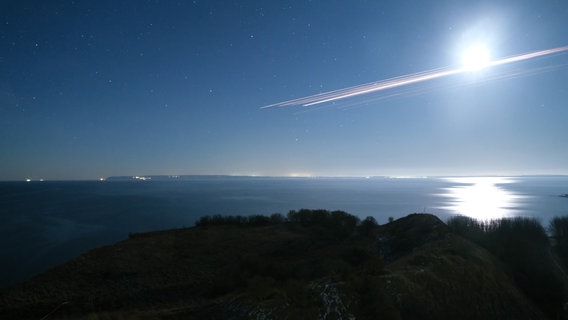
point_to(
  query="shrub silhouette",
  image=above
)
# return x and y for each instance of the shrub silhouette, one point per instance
(523, 245)
(219, 220)
(337, 247)
(332, 224)
(368, 226)
(469, 228)
(558, 229)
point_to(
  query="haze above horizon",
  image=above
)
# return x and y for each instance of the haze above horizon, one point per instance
(99, 89)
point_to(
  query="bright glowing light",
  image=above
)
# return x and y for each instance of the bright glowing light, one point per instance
(482, 197)
(408, 177)
(404, 81)
(300, 175)
(476, 57)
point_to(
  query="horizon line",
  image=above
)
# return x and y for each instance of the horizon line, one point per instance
(293, 176)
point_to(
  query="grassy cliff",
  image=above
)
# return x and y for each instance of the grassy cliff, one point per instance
(310, 264)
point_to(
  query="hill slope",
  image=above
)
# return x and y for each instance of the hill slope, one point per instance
(412, 268)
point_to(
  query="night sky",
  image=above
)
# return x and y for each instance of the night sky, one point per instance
(93, 89)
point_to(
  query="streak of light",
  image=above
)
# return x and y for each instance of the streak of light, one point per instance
(419, 91)
(403, 81)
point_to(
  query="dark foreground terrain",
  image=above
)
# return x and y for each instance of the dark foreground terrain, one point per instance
(308, 265)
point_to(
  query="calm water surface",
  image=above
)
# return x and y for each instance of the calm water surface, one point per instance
(47, 223)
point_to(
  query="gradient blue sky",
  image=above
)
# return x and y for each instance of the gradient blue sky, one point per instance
(93, 89)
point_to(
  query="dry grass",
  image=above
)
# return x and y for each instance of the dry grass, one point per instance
(411, 268)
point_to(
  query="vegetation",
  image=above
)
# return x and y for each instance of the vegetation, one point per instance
(522, 244)
(333, 224)
(304, 216)
(313, 264)
(252, 263)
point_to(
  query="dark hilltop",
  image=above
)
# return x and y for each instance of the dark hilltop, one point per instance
(311, 264)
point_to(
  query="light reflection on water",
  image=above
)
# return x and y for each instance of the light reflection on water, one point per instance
(482, 198)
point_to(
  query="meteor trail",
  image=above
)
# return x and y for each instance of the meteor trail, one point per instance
(402, 81)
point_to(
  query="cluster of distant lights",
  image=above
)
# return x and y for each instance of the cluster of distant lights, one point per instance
(103, 179)
(290, 175)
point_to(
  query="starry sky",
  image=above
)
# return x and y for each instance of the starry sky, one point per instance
(93, 89)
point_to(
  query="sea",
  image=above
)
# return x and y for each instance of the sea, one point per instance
(45, 223)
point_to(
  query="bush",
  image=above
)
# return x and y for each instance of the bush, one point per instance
(335, 224)
(368, 226)
(253, 220)
(468, 228)
(258, 220)
(523, 245)
(558, 229)
(277, 218)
